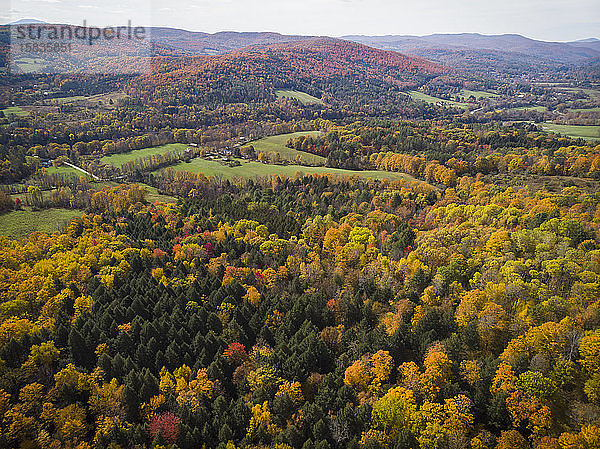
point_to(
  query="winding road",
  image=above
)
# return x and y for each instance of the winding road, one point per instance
(96, 178)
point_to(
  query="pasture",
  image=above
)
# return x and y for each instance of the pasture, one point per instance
(121, 158)
(420, 96)
(304, 98)
(594, 109)
(152, 195)
(28, 64)
(276, 144)
(67, 99)
(20, 223)
(66, 171)
(531, 108)
(14, 110)
(257, 169)
(585, 132)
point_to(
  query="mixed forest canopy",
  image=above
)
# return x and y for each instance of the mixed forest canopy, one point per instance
(415, 264)
(308, 312)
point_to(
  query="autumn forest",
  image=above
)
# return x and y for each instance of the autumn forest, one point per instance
(306, 243)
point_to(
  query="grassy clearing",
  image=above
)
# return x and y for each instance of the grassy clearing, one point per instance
(547, 83)
(304, 98)
(14, 110)
(257, 169)
(595, 109)
(477, 94)
(45, 195)
(568, 89)
(106, 100)
(589, 92)
(29, 64)
(103, 100)
(153, 195)
(429, 99)
(119, 159)
(21, 223)
(586, 132)
(107, 97)
(531, 108)
(66, 171)
(276, 144)
(68, 99)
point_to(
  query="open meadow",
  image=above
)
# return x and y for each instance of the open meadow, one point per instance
(20, 223)
(585, 132)
(258, 169)
(276, 144)
(121, 158)
(304, 98)
(66, 171)
(14, 110)
(429, 99)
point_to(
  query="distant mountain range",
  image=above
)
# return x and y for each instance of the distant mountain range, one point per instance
(497, 56)
(501, 52)
(500, 56)
(430, 47)
(194, 42)
(489, 55)
(435, 45)
(26, 22)
(589, 39)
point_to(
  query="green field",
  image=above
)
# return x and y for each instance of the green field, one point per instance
(14, 110)
(429, 99)
(477, 94)
(586, 132)
(154, 196)
(257, 169)
(45, 193)
(304, 98)
(119, 159)
(583, 131)
(68, 99)
(595, 109)
(21, 223)
(29, 64)
(66, 171)
(590, 92)
(276, 144)
(531, 108)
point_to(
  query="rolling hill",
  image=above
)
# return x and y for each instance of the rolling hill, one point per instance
(309, 59)
(341, 73)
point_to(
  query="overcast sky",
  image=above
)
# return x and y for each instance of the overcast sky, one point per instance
(553, 20)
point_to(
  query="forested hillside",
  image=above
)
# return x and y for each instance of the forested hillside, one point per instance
(309, 312)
